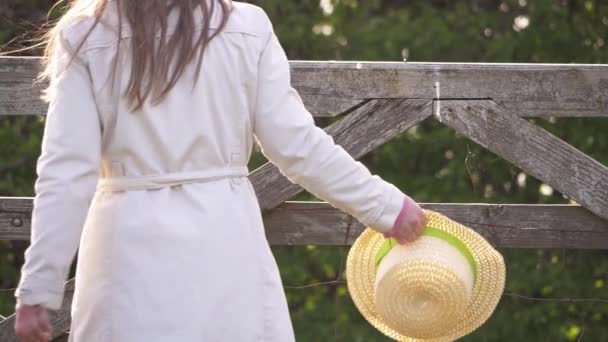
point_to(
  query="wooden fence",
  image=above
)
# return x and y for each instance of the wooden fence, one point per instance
(485, 102)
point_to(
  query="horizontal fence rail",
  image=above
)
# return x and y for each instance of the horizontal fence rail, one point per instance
(318, 223)
(331, 88)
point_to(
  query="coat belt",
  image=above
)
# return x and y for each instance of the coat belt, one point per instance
(131, 183)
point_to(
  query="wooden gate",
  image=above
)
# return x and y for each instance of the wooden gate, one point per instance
(485, 102)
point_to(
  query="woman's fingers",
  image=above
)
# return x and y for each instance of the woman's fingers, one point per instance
(32, 324)
(44, 328)
(34, 334)
(45, 323)
(413, 227)
(41, 336)
(30, 335)
(410, 223)
(44, 336)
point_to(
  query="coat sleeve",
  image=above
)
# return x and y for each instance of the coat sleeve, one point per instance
(308, 156)
(67, 171)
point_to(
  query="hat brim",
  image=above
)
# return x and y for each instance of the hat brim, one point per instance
(487, 290)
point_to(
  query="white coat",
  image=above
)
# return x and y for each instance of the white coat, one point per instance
(170, 236)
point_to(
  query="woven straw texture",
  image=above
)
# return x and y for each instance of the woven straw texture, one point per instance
(424, 276)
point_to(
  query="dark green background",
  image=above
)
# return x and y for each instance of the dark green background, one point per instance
(429, 162)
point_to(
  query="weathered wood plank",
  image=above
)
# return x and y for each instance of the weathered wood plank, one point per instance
(321, 106)
(317, 223)
(368, 127)
(533, 149)
(511, 226)
(19, 94)
(15, 218)
(530, 89)
(60, 319)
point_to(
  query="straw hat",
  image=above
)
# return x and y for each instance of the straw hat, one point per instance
(440, 287)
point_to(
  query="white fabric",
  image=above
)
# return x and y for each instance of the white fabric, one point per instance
(172, 244)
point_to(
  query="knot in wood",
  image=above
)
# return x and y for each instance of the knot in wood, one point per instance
(17, 222)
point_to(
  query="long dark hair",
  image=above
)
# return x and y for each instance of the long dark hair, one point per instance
(158, 58)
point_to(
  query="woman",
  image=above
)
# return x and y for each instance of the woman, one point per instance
(153, 110)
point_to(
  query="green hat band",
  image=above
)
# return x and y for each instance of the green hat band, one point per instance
(389, 243)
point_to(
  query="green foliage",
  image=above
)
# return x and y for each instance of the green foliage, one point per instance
(429, 162)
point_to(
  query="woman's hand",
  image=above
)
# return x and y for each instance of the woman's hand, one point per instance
(409, 224)
(32, 323)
